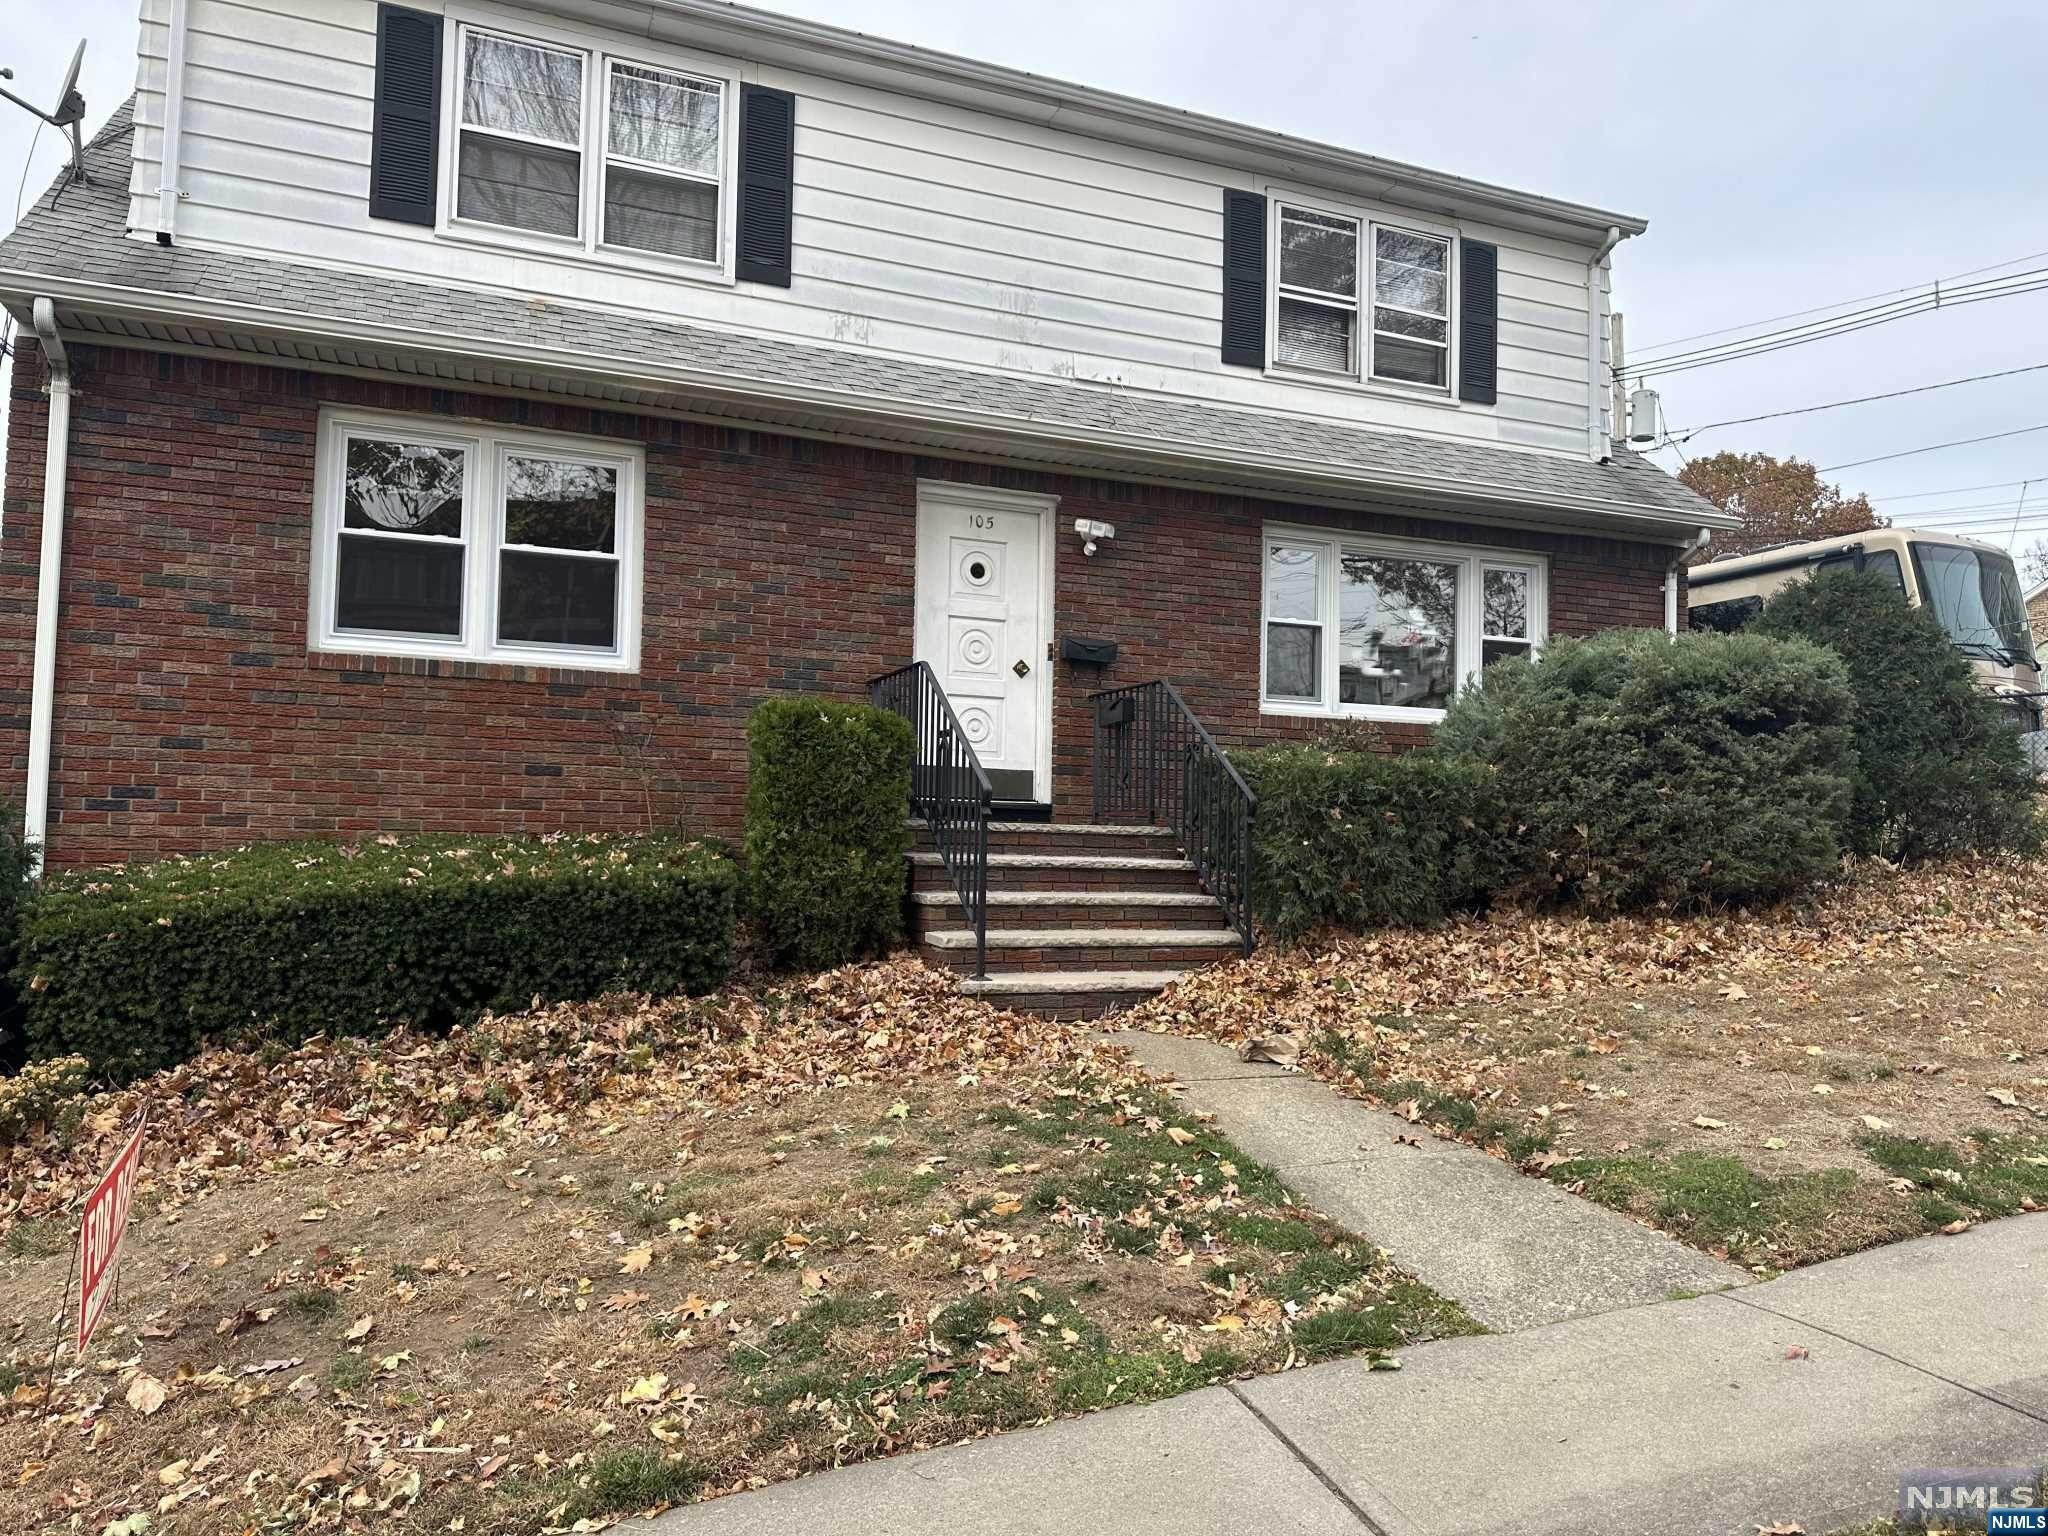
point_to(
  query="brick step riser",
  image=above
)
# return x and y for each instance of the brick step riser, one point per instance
(1151, 845)
(933, 877)
(1139, 957)
(1134, 914)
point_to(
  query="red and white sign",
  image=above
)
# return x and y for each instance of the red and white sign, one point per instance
(105, 1225)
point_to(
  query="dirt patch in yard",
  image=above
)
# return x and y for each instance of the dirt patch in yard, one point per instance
(682, 1250)
(1776, 1088)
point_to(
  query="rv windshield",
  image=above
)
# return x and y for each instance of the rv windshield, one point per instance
(1976, 595)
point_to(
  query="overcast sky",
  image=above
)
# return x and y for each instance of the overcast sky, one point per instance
(1786, 155)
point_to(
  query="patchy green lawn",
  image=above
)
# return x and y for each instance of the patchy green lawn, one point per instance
(1774, 1088)
(563, 1268)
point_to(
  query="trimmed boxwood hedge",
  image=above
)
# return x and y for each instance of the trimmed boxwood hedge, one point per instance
(17, 864)
(1364, 841)
(828, 794)
(132, 967)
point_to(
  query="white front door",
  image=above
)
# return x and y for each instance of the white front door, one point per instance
(983, 601)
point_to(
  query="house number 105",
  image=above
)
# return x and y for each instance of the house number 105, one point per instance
(982, 520)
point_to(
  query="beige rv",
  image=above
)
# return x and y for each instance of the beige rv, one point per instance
(1972, 589)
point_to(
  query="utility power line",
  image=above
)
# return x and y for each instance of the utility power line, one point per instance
(1955, 490)
(2031, 281)
(1690, 433)
(1907, 453)
(1821, 309)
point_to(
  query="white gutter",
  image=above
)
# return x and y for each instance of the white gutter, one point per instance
(1596, 436)
(171, 165)
(629, 372)
(49, 581)
(1674, 571)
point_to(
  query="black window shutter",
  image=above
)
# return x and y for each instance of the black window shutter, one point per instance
(405, 132)
(1244, 279)
(767, 170)
(1478, 321)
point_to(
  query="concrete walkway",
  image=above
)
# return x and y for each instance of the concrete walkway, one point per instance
(1516, 1252)
(1681, 1418)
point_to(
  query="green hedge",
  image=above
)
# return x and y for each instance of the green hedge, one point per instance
(17, 864)
(828, 791)
(1644, 770)
(1939, 770)
(132, 967)
(1363, 841)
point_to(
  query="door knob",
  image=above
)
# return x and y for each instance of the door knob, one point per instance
(1022, 668)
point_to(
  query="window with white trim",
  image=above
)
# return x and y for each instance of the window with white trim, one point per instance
(1389, 628)
(486, 544)
(1391, 325)
(589, 150)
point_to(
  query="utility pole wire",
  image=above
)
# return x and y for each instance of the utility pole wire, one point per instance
(1821, 309)
(1843, 325)
(1689, 433)
(1907, 453)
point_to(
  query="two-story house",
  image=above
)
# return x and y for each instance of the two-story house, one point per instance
(458, 415)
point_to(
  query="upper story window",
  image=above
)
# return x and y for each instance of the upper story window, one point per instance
(1362, 300)
(482, 544)
(521, 162)
(1389, 629)
(573, 148)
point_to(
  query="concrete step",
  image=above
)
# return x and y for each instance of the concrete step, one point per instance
(1058, 871)
(1080, 949)
(1070, 994)
(1067, 909)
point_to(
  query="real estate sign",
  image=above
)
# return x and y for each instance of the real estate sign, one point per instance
(105, 1225)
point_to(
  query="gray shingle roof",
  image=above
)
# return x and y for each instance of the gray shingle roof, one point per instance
(78, 234)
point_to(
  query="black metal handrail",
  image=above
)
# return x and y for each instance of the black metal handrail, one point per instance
(949, 788)
(1156, 763)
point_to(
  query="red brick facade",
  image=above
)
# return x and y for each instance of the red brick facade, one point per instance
(190, 715)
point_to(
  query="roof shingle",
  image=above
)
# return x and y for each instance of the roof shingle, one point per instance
(78, 233)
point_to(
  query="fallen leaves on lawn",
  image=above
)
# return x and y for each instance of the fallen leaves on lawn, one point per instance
(1339, 982)
(331, 1103)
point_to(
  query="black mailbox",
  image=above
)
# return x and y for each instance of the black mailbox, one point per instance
(1087, 653)
(1113, 711)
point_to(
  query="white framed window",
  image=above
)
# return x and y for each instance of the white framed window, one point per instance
(663, 161)
(519, 138)
(622, 158)
(1388, 629)
(1357, 299)
(475, 543)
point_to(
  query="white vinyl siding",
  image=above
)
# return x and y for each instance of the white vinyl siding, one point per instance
(1388, 629)
(923, 229)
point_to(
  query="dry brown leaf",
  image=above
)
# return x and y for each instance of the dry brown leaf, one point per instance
(146, 1394)
(635, 1260)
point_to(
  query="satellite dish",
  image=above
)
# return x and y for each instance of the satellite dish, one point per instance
(70, 105)
(70, 110)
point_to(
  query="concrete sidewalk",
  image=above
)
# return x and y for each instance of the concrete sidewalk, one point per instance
(1515, 1252)
(1681, 1418)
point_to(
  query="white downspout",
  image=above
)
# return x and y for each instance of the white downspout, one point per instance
(170, 163)
(1674, 571)
(42, 708)
(1596, 446)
